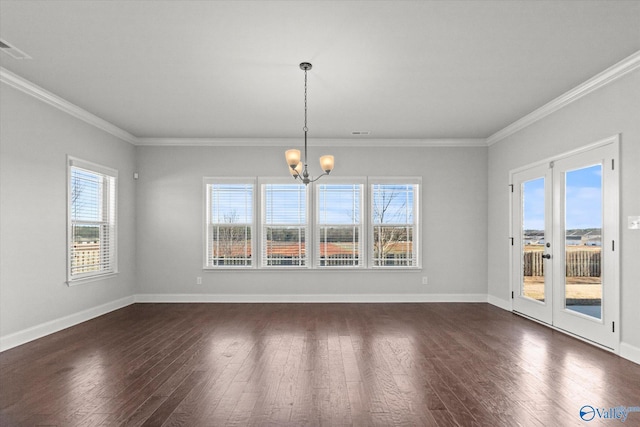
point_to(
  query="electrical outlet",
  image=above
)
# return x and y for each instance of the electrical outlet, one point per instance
(425, 280)
(634, 223)
(198, 280)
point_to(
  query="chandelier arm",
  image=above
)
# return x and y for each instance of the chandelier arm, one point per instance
(319, 176)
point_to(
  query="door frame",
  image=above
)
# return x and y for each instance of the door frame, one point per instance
(614, 258)
(542, 311)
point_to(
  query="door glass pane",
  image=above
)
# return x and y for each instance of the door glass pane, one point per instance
(533, 241)
(583, 241)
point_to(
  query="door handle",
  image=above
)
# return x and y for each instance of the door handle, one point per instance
(546, 256)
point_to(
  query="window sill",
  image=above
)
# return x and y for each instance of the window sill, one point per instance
(83, 280)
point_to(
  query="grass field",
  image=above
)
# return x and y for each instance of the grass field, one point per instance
(578, 288)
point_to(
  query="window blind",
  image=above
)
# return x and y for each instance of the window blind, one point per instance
(284, 225)
(339, 225)
(230, 208)
(92, 221)
(394, 225)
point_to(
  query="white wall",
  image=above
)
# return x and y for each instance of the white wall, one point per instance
(170, 206)
(35, 140)
(610, 110)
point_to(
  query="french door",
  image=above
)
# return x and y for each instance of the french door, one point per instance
(565, 235)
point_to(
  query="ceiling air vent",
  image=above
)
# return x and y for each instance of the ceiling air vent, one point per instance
(12, 51)
(360, 132)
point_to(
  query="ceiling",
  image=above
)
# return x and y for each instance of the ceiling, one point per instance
(399, 69)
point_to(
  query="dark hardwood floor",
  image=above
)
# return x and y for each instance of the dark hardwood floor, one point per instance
(311, 364)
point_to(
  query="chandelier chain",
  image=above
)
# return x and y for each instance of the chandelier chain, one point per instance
(305, 128)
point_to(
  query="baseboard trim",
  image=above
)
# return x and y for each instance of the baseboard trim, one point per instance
(308, 298)
(499, 302)
(630, 352)
(627, 351)
(22, 337)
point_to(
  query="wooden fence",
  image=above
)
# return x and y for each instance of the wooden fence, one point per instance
(578, 263)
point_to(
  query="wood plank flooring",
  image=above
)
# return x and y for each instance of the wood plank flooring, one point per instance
(311, 364)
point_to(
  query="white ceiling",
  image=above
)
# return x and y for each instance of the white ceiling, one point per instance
(400, 69)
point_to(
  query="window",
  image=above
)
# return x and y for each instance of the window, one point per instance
(92, 220)
(338, 225)
(394, 223)
(284, 224)
(229, 223)
(345, 223)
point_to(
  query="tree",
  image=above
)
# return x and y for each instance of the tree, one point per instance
(231, 238)
(389, 208)
(79, 206)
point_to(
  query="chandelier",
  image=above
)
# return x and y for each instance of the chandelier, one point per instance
(298, 169)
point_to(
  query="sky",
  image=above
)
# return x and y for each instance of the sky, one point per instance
(583, 200)
(338, 204)
(86, 194)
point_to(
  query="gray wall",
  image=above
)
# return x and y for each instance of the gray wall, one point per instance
(610, 110)
(465, 205)
(170, 208)
(160, 218)
(35, 140)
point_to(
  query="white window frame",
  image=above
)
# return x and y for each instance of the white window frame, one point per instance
(417, 220)
(262, 183)
(362, 232)
(312, 226)
(109, 208)
(207, 181)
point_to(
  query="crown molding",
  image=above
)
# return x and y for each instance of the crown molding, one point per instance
(316, 142)
(44, 95)
(62, 104)
(609, 75)
(23, 85)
